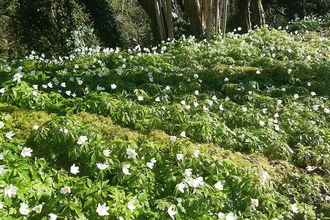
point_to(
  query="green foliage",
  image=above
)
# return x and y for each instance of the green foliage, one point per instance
(184, 130)
(103, 22)
(133, 22)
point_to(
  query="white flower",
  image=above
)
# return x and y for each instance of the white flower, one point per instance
(157, 99)
(264, 177)
(34, 93)
(74, 169)
(167, 88)
(68, 93)
(181, 187)
(221, 107)
(218, 185)
(37, 208)
(10, 190)
(309, 83)
(2, 169)
(153, 160)
(289, 71)
(196, 92)
(2, 124)
(150, 165)
(296, 96)
(173, 138)
(79, 82)
(126, 169)
(221, 216)
(171, 211)
(313, 94)
(226, 79)
(316, 107)
(196, 153)
(183, 134)
(131, 205)
(50, 85)
(52, 216)
(279, 102)
(82, 140)
(26, 152)
(24, 209)
(63, 84)
(106, 153)
(294, 208)
(209, 102)
(35, 127)
(195, 182)
(140, 98)
(188, 172)
(277, 127)
(131, 153)
(258, 72)
(65, 190)
(179, 156)
(101, 166)
(261, 123)
(102, 210)
(10, 135)
(326, 110)
(64, 130)
(244, 109)
(310, 168)
(2, 90)
(161, 205)
(100, 88)
(231, 216)
(255, 202)
(113, 86)
(17, 77)
(196, 76)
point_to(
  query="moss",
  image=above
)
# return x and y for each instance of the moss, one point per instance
(21, 121)
(325, 209)
(106, 127)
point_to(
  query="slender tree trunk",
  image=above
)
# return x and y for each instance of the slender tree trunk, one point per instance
(244, 10)
(208, 17)
(160, 20)
(192, 9)
(224, 18)
(217, 18)
(258, 13)
(168, 18)
(160, 13)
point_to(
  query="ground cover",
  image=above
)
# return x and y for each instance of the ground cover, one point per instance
(221, 129)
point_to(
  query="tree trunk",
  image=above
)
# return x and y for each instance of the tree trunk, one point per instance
(243, 8)
(224, 18)
(192, 9)
(168, 18)
(217, 18)
(160, 13)
(258, 13)
(208, 17)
